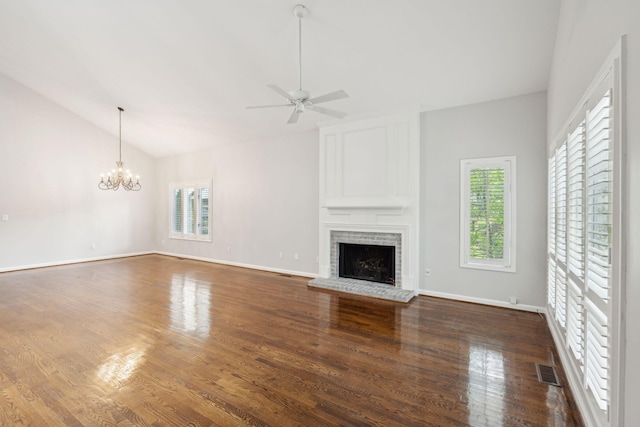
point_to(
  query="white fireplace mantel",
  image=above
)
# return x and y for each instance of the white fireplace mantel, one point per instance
(382, 206)
(370, 182)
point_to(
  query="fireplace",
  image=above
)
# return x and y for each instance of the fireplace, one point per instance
(380, 245)
(366, 260)
(374, 263)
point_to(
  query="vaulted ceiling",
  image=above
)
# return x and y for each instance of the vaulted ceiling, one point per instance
(184, 71)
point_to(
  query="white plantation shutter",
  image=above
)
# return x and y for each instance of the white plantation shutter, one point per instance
(561, 204)
(487, 214)
(561, 233)
(487, 203)
(576, 196)
(176, 210)
(575, 321)
(190, 211)
(597, 355)
(551, 233)
(561, 296)
(599, 232)
(599, 197)
(551, 285)
(552, 206)
(584, 249)
(203, 211)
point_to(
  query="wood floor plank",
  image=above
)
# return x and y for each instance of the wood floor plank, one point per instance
(156, 340)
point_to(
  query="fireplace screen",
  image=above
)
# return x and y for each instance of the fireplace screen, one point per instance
(367, 262)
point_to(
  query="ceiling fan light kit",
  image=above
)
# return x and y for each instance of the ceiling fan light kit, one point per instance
(301, 99)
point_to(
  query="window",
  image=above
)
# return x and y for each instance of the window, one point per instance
(487, 214)
(581, 233)
(190, 211)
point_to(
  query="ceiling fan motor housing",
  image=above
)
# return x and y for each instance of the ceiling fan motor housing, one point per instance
(300, 94)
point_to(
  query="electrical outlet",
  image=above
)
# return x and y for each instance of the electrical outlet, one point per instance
(228, 249)
(513, 300)
(93, 246)
(281, 255)
(5, 217)
(296, 257)
(427, 272)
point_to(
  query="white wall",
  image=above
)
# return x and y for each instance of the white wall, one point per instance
(587, 32)
(509, 127)
(264, 201)
(50, 161)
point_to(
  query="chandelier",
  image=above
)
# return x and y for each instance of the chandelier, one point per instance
(119, 177)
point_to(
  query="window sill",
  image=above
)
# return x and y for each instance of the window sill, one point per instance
(192, 239)
(490, 267)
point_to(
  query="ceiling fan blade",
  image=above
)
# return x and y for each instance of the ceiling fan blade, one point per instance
(282, 92)
(328, 112)
(267, 106)
(294, 116)
(339, 94)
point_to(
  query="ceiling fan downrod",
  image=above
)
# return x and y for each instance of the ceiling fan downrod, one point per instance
(299, 11)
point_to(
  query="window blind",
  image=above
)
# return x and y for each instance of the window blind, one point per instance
(176, 210)
(551, 232)
(583, 217)
(561, 296)
(599, 197)
(487, 214)
(561, 203)
(575, 321)
(552, 205)
(551, 285)
(486, 199)
(597, 355)
(203, 211)
(576, 167)
(190, 210)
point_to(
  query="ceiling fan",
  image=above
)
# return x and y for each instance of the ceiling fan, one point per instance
(301, 99)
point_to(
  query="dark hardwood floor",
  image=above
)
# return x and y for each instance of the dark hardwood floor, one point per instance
(156, 340)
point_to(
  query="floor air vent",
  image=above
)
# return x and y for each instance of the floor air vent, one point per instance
(547, 374)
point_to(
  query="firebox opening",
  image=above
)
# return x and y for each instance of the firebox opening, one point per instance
(367, 262)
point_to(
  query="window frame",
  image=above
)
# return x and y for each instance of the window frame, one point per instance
(508, 261)
(196, 187)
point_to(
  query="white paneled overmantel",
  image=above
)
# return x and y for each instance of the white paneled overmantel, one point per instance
(369, 183)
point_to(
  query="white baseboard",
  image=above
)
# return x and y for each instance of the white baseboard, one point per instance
(239, 264)
(72, 261)
(484, 301)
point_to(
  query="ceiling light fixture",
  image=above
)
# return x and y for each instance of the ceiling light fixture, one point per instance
(300, 99)
(118, 177)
